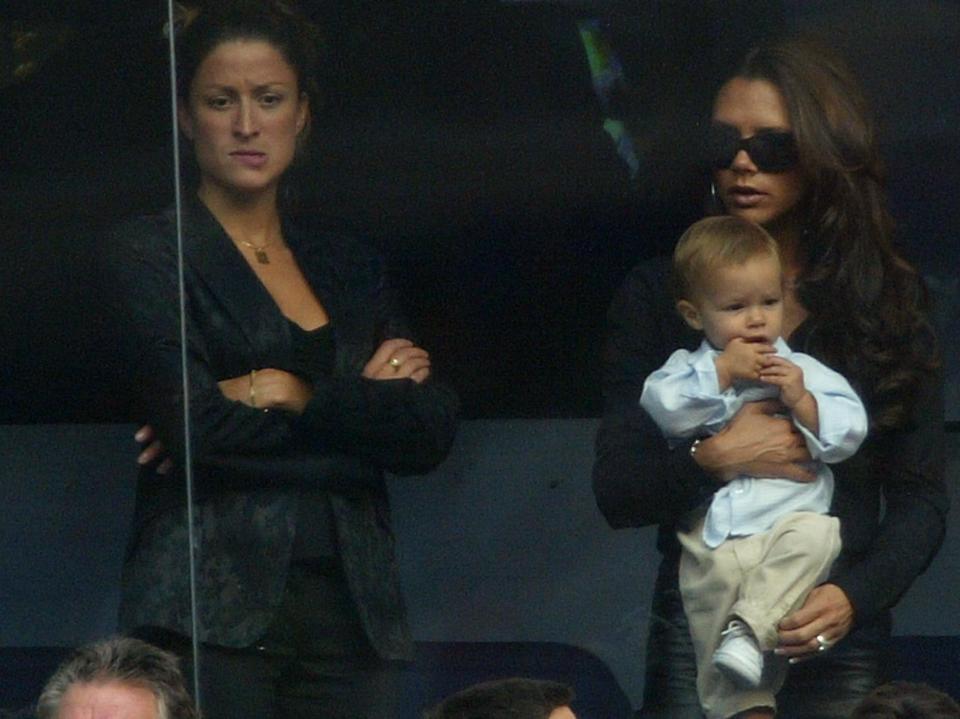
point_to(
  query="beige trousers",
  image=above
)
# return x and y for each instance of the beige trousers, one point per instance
(758, 579)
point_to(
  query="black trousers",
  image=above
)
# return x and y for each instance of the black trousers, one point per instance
(315, 660)
(827, 686)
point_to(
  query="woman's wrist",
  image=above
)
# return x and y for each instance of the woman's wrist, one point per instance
(693, 449)
(704, 452)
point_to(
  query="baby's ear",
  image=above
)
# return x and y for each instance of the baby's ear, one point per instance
(690, 314)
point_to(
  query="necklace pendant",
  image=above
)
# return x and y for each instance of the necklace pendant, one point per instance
(261, 255)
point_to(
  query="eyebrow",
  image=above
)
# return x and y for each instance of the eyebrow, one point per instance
(276, 84)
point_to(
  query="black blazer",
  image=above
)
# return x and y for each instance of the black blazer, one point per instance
(250, 464)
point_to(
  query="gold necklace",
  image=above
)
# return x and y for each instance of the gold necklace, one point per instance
(259, 251)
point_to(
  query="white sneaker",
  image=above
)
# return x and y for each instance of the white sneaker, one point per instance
(739, 656)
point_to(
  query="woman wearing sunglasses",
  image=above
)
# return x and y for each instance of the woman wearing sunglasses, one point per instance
(792, 149)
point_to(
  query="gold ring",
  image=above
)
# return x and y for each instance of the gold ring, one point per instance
(822, 643)
(394, 362)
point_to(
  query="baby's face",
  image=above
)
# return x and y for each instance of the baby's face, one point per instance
(743, 301)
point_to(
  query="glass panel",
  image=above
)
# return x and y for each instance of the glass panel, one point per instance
(511, 171)
(85, 118)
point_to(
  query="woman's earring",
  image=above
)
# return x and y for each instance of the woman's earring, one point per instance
(714, 205)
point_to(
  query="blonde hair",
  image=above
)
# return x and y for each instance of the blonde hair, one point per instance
(713, 243)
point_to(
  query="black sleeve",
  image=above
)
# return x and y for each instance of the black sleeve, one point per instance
(909, 466)
(399, 426)
(141, 264)
(402, 426)
(637, 480)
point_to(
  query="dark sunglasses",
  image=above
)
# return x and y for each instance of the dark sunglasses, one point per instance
(769, 151)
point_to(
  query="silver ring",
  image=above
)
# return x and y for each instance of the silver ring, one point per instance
(394, 362)
(823, 644)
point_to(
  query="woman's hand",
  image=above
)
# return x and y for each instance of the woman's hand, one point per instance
(269, 389)
(152, 450)
(755, 443)
(398, 359)
(823, 620)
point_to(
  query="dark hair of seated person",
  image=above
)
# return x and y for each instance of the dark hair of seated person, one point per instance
(906, 700)
(515, 698)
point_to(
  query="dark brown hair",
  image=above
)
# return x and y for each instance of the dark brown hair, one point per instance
(882, 339)
(906, 700)
(515, 698)
(202, 26)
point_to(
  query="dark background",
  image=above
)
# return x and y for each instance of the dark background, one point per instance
(465, 141)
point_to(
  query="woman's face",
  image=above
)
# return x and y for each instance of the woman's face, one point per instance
(753, 107)
(243, 115)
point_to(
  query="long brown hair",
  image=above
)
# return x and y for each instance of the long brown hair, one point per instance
(868, 305)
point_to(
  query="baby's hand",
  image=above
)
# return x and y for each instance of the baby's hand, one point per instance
(787, 376)
(742, 359)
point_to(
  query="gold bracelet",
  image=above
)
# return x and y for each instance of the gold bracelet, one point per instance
(253, 392)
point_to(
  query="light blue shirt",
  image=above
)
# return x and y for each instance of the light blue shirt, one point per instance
(683, 397)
